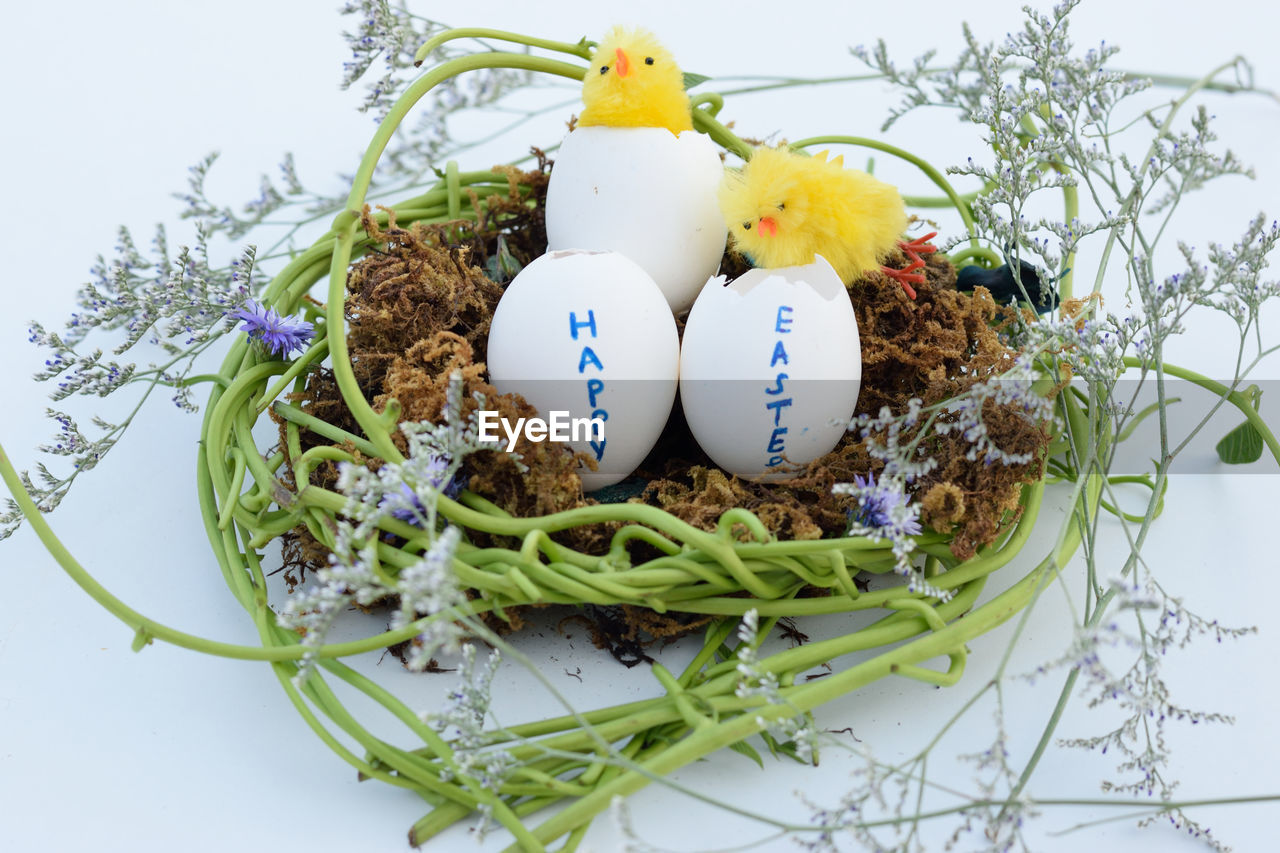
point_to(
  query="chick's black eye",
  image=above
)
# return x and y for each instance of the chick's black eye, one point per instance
(604, 69)
(782, 205)
(648, 60)
(746, 226)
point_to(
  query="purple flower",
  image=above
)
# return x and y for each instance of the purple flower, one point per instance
(279, 335)
(404, 503)
(882, 508)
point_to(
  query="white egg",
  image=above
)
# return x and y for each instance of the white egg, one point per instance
(589, 336)
(770, 368)
(645, 193)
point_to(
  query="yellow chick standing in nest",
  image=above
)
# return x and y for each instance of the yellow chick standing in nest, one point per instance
(784, 208)
(633, 176)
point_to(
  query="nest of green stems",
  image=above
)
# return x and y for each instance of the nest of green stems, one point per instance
(418, 307)
(410, 290)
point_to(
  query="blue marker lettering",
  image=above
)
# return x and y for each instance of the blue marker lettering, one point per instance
(774, 462)
(783, 321)
(594, 387)
(778, 406)
(575, 324)
(589, 357)
(598, 447)
(775, 440)
(778, 388)
(601, 414)
(779, 354)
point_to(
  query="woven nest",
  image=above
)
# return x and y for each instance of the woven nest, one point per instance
(418, 307)
(411, 290)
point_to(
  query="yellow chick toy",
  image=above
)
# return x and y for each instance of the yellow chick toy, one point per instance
(783, 208)
(635, 82)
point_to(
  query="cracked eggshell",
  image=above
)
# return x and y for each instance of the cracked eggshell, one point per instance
(589, 334)
(770, 368)
(645, 193)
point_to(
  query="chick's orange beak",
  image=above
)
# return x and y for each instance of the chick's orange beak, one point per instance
(623, 66)
(768, 227)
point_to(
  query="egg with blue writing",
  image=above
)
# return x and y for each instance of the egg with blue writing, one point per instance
(646, 193)
(588, 340)
(770, 368)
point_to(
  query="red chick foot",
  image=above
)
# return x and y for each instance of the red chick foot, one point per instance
(908, 276)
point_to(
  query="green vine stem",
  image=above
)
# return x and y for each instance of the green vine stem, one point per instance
(581, 48)
(143, 626)
(1233, 396)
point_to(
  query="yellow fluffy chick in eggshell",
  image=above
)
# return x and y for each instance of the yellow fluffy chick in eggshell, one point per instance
(634, 82)
(633, 176)
(770, 363)
(784, 207)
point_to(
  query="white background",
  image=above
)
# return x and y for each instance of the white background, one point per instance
(107, 104)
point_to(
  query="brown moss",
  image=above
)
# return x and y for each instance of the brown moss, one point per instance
(429, 278)
(942, 506)
(932, 347)
(702, 494)
(407, 292)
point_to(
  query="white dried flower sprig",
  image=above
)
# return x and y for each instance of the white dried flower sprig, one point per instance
(1042, 104)
(406, 491)
(883, 437)
(462, 720)
(1158, 623)
(753, 680)
(896, 439)
(427, 587)
(355, 575)
(391, 33)
(885, 510)
(180, 304)
(215, 218)
(1013, 391)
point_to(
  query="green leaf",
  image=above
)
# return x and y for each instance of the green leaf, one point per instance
(502, 266)
(744, 748)
(691, 79)
(771, 742)
(1240, 446)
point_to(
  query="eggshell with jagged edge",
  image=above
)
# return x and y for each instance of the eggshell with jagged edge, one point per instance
(589, 335)
(643, 192)
(770, 369)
